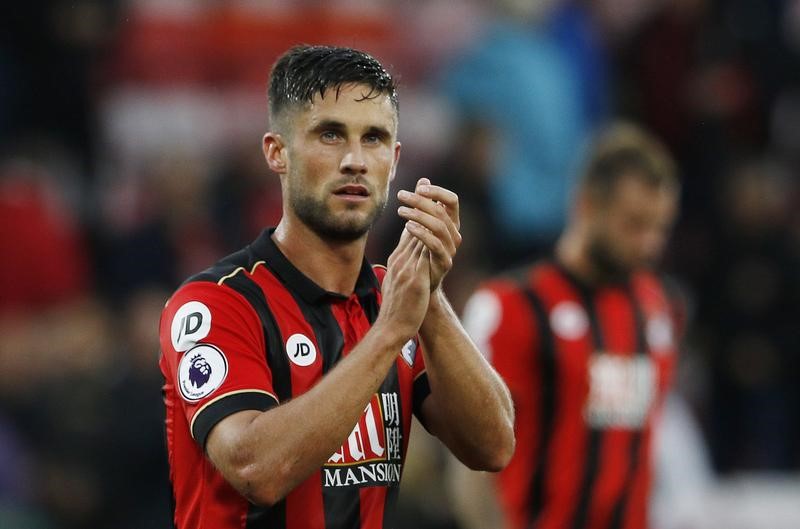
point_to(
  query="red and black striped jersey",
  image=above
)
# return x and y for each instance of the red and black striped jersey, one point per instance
(251, 333)
(587, 368)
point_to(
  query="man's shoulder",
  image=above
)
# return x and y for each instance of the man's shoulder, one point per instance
(225, 267)
(213, 282)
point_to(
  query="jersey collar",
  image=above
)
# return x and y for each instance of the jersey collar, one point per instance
(295, 280)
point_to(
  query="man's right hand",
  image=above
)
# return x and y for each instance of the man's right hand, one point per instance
(406, 288)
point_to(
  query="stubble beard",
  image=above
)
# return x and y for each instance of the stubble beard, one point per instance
(607, 267)
(317, 215)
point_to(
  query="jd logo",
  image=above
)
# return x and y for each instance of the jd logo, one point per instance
(300, 350)
(191, 323)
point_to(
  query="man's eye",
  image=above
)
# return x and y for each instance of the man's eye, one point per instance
(372, 138)
(329, 135)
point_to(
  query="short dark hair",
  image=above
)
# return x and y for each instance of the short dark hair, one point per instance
(626, 150)
(304, 71)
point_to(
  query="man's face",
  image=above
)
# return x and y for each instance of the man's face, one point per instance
(341, 156)
(630, 229)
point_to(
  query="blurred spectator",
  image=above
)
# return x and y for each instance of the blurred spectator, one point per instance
(245, 197)
(48, 51)
(747, 319)
(135, 476)
(172, 232)
(713, 79)
(517, 81)
(467, 167)
(53, 367)
(45, 262)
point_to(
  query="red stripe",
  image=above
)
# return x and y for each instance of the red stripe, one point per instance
(304, 509)
(372, 505)
(618, 324)
(571, 434)
(291, 321)
(304, 505)
(610, 482)
(515, 362)
(617, 321)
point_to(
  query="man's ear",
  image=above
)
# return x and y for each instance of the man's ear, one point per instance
(275, 152)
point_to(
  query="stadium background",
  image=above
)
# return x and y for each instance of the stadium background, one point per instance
(129, 158)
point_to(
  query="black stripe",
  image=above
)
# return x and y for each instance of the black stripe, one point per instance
(327, 332)
(546, 356)
(341, 505)
(277, 359)
(639, 320)
(634, 456)
(421, 390)
(218, 410)
(621, 507)
(589, 477)
(370, 305)
(595, 442)
(267, 517)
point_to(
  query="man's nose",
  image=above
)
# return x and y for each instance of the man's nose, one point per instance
(353, 162)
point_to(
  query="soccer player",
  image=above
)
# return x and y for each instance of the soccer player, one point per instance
(292, 367)
(584, 341)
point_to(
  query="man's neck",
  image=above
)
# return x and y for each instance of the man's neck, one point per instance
(572, 252)
(333, 265)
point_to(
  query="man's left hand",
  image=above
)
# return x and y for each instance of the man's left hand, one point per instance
(433, 218)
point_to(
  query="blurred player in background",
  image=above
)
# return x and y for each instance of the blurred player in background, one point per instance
(585, 343)
(292, 367)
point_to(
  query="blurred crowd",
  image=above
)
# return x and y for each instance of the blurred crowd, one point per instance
(130, 159)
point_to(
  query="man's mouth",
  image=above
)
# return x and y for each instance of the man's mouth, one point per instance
(351, 190)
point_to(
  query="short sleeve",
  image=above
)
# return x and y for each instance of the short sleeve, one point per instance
(213, 356)
(500, 321)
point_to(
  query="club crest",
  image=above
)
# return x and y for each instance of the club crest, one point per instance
(409, 352)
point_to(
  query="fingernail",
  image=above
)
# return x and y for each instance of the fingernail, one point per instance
(424, 188)
(403, 193)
